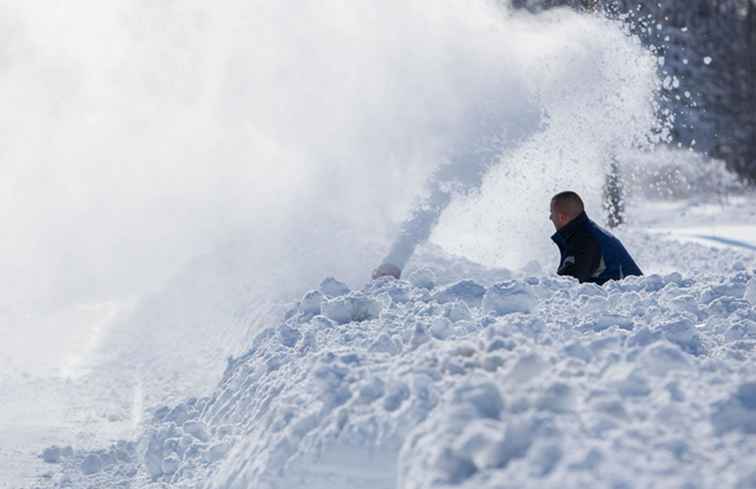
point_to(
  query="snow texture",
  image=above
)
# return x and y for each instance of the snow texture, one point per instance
(531, 381)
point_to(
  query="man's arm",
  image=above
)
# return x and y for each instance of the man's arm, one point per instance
(584, 261)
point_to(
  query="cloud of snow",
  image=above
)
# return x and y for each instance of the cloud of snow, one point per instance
(139, 135)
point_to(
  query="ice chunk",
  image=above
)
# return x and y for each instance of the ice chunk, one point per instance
(508, 297)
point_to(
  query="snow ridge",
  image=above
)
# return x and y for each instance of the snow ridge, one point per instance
(648, 382)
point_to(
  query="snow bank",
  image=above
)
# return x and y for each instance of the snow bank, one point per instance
(526, 382)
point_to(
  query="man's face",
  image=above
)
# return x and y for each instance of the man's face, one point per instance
(557, 218)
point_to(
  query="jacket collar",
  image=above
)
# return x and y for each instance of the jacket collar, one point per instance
(569, 229)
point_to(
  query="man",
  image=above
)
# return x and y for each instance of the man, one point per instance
(588, 252)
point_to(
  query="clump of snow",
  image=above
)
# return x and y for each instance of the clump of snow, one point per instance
(738, 411)
(468, 291)
(55, 454)
(423, 278)
(525, 382)
(311, 302)
(91, 464)
(330, 287)
(508, 297)
(353, 307)
(750, 292)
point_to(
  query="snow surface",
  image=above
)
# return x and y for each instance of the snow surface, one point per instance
(156, 225)
(476, 378)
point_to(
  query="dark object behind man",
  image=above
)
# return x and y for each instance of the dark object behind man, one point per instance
(588, 252)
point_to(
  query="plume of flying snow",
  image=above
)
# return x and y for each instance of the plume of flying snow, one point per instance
(288, 140)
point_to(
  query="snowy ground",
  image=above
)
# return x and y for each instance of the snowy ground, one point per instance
(458, 376)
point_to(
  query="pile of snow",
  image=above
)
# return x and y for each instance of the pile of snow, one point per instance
(526, 382)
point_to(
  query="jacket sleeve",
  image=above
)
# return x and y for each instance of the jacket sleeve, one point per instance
(583, 261)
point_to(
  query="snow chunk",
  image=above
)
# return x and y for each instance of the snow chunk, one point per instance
(738, 412)
(330, 287)
(606, 321)
(484, 398)
(663, 357)
(508, 297)
(741, 330)
(578, 350)
(750, 292)
(441, 328)
(557, 398)
(170, 464)
(466, 290)
(310, 304)
(458, 311)
(528, 367)
(197, 429)
(423, 278)
(746, 395)
(54, 454)
(354, 307)
(91, 464)
(683, 333)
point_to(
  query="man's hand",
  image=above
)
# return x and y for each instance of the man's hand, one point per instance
(387, 269)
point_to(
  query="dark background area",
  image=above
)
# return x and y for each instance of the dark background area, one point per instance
(708, 49)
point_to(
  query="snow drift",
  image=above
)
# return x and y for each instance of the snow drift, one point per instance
(420, 384)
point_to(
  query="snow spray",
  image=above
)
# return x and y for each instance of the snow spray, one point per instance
(199, 161)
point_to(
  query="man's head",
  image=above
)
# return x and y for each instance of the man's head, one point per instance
(565, 206)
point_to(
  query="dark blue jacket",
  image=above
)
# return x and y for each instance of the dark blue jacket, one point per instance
(591, 253)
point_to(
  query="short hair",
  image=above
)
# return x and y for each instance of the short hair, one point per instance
(568, 202)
